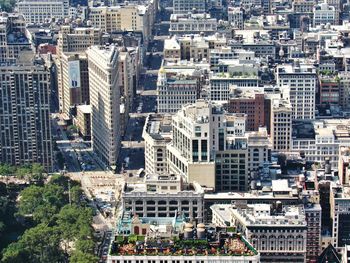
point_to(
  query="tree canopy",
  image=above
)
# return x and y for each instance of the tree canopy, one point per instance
(61, 230)
(32, 172)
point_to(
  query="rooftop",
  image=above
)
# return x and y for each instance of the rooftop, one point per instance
(296, 68)
(86, 109)
(171, 43)
(303, 129)
(280, 186)
(185, 241)
(267, 215)
(190, 16)
(158, 126)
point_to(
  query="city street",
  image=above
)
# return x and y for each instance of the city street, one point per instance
(102, 187)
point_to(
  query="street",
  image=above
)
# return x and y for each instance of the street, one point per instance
(102, 187)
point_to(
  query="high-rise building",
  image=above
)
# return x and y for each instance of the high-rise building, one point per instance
(302, 6)
(343, 166)
(329, 90)
(337, 4)
(181, 24)
(25, 129)
(105, 102)
(344, 89)
(39, 11)
(320, 140)
(211, 147)
(127, 78)
(83, 121)
(195, 138)
(302, 80)
(259, 149)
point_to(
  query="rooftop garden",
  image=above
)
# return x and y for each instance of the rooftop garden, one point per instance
(133, 245)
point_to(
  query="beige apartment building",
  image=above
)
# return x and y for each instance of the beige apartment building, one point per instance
(105, 102)
(127, 17)
(77, 39)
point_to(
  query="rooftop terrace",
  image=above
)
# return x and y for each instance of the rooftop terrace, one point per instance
(220, 244)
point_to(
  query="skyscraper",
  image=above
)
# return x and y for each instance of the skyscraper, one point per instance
(105, 102)
(25, 130)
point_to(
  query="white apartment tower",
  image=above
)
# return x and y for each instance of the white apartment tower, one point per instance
(211, 147)
(302, 80)
(195, 137)
(105, 102)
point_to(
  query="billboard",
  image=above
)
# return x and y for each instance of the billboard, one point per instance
(74, 74)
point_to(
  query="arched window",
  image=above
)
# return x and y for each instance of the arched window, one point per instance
(136, 230)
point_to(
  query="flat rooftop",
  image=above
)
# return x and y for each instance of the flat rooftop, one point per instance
(158, 126)
(303, 129)
(257, 215)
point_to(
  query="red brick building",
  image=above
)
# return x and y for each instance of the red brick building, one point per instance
(252, 104)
